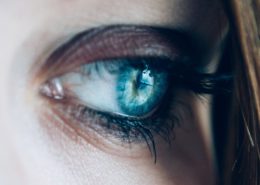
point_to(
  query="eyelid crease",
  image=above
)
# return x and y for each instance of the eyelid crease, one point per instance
(112, 42)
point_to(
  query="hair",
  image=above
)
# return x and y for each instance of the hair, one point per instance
(240, 161)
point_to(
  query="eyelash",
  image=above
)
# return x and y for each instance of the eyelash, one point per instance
(129, 129)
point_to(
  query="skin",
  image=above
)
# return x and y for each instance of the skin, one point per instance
(39, 151)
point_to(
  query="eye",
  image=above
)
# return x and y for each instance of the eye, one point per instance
(122, 82)
(126, 87)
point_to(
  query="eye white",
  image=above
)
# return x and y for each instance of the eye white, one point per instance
(95, 89)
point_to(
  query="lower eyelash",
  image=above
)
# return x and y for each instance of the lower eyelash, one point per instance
(128, 130)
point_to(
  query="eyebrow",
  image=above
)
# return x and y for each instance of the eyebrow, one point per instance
(123, 41)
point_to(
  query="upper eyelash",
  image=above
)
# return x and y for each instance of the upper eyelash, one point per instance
(203, 83)
(187, 76)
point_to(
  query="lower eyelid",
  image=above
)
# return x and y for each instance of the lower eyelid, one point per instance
(108, 140)
(81, 133)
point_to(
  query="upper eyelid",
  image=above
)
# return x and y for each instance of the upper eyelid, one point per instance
(176, 44)
(170, 41)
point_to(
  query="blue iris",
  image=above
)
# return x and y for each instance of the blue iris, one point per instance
(140, 89)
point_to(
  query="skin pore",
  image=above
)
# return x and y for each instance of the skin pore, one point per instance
(40, 150)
